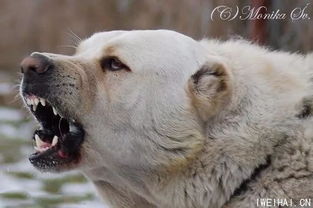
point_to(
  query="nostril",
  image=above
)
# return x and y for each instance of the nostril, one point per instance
(33, 68)
(36, 63)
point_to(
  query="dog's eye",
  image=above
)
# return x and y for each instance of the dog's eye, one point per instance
(112, 64)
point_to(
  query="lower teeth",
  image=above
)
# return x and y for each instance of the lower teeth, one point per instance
(42, 146)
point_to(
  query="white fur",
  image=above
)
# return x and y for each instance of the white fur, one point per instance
(148, 145)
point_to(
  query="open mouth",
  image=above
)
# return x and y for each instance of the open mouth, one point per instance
(58, 140)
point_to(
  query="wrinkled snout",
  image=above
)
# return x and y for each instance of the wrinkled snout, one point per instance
(55, 78)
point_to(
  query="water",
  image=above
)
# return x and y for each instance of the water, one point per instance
(21, 185)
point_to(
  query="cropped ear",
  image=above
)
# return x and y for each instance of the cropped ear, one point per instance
(210, 89)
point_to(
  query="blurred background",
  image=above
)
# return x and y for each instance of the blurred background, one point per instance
(52, 26)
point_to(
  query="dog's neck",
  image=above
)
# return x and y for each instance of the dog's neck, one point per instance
(211, 179)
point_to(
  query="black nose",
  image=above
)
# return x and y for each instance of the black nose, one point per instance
(36, 63)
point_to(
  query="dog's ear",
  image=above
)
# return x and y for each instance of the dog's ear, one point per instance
(210, 89)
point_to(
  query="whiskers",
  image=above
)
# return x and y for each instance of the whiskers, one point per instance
(16, 91)
(75, 39)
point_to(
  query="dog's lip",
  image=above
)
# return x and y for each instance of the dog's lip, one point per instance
(39, 154)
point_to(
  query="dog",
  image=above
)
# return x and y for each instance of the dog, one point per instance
(156, 119)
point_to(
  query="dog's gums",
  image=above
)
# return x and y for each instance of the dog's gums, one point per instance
(57, 142)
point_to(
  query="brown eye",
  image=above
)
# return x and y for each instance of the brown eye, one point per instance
(112, 64)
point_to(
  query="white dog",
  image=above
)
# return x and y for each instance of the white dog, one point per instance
(157, 119)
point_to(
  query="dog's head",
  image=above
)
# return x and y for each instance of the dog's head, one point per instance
(125, 99)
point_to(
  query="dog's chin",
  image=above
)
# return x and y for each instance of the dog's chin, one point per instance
(59, 139)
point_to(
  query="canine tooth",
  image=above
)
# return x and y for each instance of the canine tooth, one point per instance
(42, 101)
(36, 101)
(39, 142)
(55, 140)
(31, 102)
(34, 107)
(54, 111)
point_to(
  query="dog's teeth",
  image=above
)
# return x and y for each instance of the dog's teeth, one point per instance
(39, 142)
(54, 111)
(34, 107)
(28, 101)
(36, 101)
(42, 101)
(31, 102)
(55, 140)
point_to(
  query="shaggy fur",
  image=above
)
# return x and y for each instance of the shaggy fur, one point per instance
(192, 124)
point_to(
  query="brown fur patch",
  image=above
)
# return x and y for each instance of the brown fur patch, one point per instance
(110, 50)
(209, 94)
